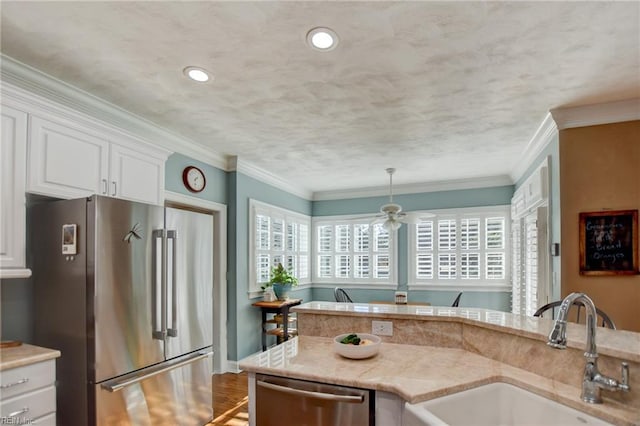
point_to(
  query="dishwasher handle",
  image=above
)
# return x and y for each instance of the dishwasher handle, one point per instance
(353, 399)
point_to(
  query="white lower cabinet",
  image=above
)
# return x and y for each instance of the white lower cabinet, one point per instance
(389, 409)
(28, 394)
(67, 160)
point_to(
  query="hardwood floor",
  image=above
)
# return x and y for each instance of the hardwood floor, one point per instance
(230, 400)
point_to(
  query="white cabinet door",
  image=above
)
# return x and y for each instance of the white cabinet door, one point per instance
(65, 161)
(136, 175)
(12, 209)
(68, 161)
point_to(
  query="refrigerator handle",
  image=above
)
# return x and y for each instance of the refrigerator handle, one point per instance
(119, 383)
(156, 284)
(173, 330)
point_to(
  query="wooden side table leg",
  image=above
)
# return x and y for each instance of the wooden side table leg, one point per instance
(285, 323)
(264, 330)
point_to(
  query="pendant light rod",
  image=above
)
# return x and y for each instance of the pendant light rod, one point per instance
(391, 171)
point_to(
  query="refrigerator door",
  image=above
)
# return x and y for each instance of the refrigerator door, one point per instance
(125, 300)
(176, 392)
(189, 281)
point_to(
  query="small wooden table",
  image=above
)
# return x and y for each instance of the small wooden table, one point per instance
(277, 307)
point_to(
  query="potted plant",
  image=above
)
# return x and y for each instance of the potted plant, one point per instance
(281, 280)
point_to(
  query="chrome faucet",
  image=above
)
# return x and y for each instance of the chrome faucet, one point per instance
(592, 380)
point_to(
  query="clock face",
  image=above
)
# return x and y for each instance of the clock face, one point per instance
(193, 179)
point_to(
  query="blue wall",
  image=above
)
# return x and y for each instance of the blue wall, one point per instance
(493, 196)
(243, 329)
(215, 189)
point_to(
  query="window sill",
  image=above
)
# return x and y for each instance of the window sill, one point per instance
(365, 286)
(460, 286)
(253, 293)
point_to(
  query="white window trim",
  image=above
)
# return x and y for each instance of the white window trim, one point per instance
(256, 207)
(531, 202)
(481, 284)
(355, 283)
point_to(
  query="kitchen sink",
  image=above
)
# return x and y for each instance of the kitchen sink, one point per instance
(493, 405)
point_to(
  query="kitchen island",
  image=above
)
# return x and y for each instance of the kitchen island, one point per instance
(451, 349)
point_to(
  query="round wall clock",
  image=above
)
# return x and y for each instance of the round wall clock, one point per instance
(193, 179)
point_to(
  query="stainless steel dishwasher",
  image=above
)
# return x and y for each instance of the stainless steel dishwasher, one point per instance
(281, 401)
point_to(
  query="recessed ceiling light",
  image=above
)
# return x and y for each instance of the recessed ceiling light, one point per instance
(322, 38)
(197, 74)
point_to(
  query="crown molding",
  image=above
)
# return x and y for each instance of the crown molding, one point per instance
(593, 115)
(414, 188)
(33, 81)
(234, 164)
(545, 133)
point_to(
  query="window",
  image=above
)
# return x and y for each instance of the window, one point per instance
(351, 251)
(460, 248)
(278, 236)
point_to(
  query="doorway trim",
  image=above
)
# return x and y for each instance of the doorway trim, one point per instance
(219, 212)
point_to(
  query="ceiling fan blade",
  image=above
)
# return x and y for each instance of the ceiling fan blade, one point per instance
(413, 218)
(409, 219)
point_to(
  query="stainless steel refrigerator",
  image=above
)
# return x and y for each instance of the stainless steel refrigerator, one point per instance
(124, 290)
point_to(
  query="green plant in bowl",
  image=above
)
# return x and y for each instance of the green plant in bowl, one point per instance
(282, 280)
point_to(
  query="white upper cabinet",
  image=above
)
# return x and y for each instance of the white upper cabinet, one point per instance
(12, 209)
(67, 160)
(136, 175)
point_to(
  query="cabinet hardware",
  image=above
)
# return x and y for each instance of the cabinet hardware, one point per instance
(19, 382)
(17, 413)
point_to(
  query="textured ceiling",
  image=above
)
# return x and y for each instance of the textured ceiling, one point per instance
(439, 90)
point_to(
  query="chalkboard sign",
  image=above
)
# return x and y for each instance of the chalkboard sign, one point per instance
(608, 243)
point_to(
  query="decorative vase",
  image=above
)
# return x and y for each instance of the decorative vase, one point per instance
(269, 295)
(282, 291)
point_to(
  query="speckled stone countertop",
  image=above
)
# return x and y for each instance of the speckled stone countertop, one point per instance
(617, 343)
(25, 354)
(417, 373)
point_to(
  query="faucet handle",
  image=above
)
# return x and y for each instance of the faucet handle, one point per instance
(624, 384)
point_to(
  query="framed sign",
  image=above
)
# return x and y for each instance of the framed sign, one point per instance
(609, 243)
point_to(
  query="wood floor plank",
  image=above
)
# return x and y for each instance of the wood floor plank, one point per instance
(230, 400)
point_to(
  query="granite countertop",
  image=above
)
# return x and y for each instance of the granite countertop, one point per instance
(617, 343)
(417, 373)
(25, 354)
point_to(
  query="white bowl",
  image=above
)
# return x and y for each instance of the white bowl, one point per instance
(367, 350)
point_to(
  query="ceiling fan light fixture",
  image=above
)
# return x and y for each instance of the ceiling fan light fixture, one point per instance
(322, 39)
(391, 225)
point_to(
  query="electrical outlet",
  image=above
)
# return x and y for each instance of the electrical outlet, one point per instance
(382, 328)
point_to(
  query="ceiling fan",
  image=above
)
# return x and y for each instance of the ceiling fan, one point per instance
(391, 215)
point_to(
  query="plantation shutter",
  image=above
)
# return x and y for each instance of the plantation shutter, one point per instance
(517, 271)
(325, 236)
(469, 246)
(303, 249)
(531, 263)
(529, 247)
(424, 250)
(446, 249)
